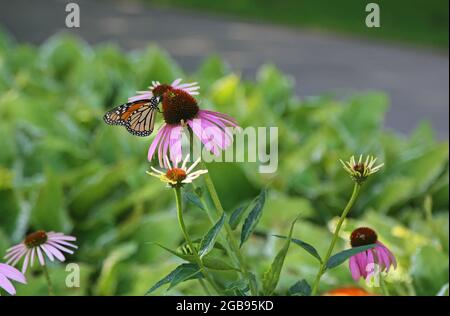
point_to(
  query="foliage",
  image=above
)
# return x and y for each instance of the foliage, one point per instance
(418, 22)
(62, 168)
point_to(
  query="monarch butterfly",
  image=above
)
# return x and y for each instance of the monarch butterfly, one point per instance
(138, 117)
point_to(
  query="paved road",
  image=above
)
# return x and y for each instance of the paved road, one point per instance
(416, 80)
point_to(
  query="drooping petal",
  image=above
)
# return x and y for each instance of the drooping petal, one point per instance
(166, 130)
(12, 273)
(40, 256)
(154, 145)
(362, 263)
(7, 285)
(60, 247)
(58, 254)
(176, 153)
(354, 268)
(47, 252)
(25, 262)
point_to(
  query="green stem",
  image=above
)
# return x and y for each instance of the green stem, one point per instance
(189, 240)
(347, 209)
(383, 285)
(49, 281)
(232, 241)
(205, 288)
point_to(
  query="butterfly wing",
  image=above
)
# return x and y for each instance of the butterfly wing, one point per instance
(142, 121)
(138, 116)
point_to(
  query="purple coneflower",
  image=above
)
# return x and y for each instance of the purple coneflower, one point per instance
(362, 263)
(8, 273)
(158, 89)
(177, 176)
(36, 245)
(181, 110)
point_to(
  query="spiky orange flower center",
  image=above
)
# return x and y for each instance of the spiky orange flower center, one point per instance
(363, 236)
(178, 105)
(176, 174)
(161, 89)
(36, 239)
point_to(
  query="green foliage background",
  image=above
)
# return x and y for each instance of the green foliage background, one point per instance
(62, 168)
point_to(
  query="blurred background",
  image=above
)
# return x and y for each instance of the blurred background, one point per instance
(333, 86)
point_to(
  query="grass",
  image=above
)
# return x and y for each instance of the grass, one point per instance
(418, 22)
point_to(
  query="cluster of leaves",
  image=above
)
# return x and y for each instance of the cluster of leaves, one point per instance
(62, 168)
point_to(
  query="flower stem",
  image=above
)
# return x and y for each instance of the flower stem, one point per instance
(49, 281)
(383, 285)
(189, 240)
(347, 208)
(232, 241)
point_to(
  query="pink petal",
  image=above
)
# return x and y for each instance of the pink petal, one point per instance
(175, 145)
(58, 254)
(12, 273)
(354, 269)
(362, 263)
(155, 143)
(16, 258)
(25, 262)
(162, 144)
(60, 247)
(41, 256)
(62, 242)
(47, 252)
(176, 82)
(7, 285)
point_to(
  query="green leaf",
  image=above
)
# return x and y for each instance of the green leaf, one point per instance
(253, 218)
(236, 216)
(301, 288)
(209, 262)
(194, 199)
(49, 211)
(429, 269)
(183, 272)
(271, 276)
(309, 248)
(209, 240)
(237, 288)
(187, 272)
(340, 257)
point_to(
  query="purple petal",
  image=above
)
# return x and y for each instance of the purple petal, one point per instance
(354, 269)
(12, 273)
(60, 247)
(16, 258)
(162, 144)
(41, 256)
(153, 146)
(25, 262)
(7, 285)
(175, 139)
(362, 263)
(47, 252)
(62, 242)
(58, 254)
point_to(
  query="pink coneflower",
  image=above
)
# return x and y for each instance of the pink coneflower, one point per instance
(181, 110)
(8, 273)
(36, 245)
(362, 264)
(158, 89)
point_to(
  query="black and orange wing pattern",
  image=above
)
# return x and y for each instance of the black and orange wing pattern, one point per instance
(138, 117)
